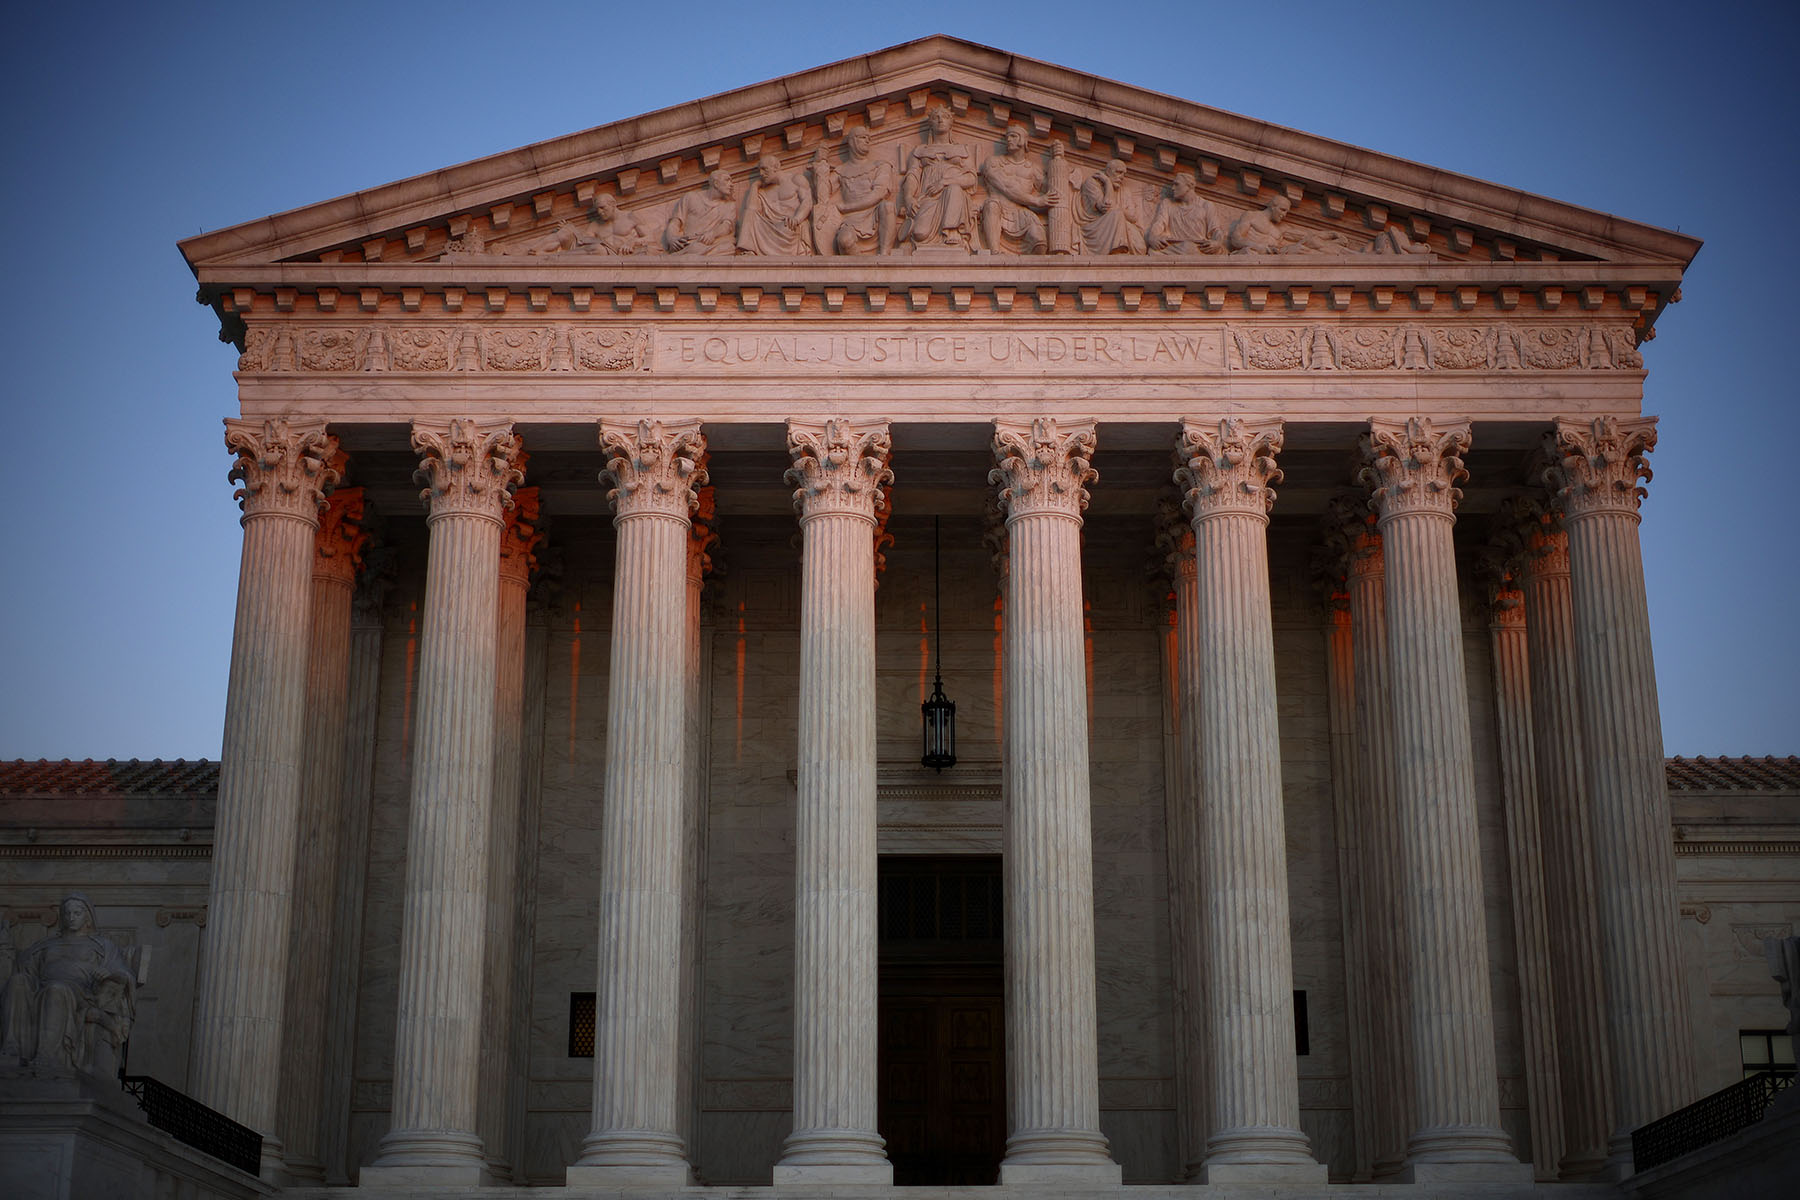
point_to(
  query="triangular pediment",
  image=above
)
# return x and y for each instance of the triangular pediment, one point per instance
(857, 168)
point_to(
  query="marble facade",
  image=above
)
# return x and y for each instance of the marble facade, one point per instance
(1246, 450)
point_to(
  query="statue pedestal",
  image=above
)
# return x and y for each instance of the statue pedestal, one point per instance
(66, 1135)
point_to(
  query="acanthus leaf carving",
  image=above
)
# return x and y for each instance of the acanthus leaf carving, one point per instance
(1042, 466)
(1413, 466)
(466, 467)
(1600, 465)
(285, 469)
(840, 466)
(1229, 467)
(653, 468)
(339, 545)
(523, 532)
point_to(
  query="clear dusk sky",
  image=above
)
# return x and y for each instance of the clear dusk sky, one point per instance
(134, 125)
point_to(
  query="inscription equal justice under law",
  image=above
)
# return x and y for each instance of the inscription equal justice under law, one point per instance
(986, 351)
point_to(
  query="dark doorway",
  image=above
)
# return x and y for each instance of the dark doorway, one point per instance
(943, 1045)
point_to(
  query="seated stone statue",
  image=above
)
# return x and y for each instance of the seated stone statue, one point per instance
(1104, 213)
(69, 994)
(705, 221)
(1184, 223)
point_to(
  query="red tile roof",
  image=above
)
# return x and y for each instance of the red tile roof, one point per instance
(114, 777)
(1733, 774)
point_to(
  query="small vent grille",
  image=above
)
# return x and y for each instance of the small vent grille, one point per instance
(581, 1024)
(940, 907)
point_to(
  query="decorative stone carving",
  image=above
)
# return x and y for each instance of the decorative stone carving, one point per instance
(1043, 466)
(1108, 223)
(511, 348)
(1783, 954)
(466, 467)
(338, 546)
(1394, 240)
(935, 193)
(839, 467)
(704, 221)
(522, 534)
(1600, 465)
(1260, 232)
(853, 210)
(1019, 190)
(1184, 223)
(775, 213)
(1415, 465)
(610, 230)
(285, 469)
(653, 467)
(69, 994)
(1230, 469)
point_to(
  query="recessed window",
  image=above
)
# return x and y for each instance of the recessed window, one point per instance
(1766, 1050)
(581, 1024)
(1302, 1044)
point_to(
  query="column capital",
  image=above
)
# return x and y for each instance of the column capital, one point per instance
(1174, 559)
(339, 544)
(1042, 466)
(521, 535)
(1498, 569)
(285, 468)
(1229, 467)
(1413, 466)
(703, 535)
(1531, 528)
(1599, 465)
(840, 467)
(466, 467)
(653, 467)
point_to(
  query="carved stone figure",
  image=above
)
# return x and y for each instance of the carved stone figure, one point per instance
(1184, 223)
(854, 213)
(1104, 213)
(705, 221)
(935, 192)
(1259, 232)
(1394, 240)
(1018, 191)
(69, 994)
(1783, 954)
(776, 211)
(611, 230)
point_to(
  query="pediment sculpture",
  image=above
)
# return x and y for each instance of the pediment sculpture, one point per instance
(71, 997)
(937, 193)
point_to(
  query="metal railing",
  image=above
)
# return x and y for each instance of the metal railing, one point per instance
(192, 1123)
(1707, 1120)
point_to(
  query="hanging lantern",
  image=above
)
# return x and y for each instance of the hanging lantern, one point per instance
(938, 713)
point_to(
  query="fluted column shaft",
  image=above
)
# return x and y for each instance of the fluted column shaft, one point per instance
(1229, 687)
(1525, 854)
(531, 773)
(1390, 1120)
(1600, 464)
(352, 851)
(337, 553)
(1584, 1060)
(839, 470)
(242, 987)
(653, 469)
(468, 473)
(702, 534)
(1051, 1062)
(499, 1011)
(1414, 469)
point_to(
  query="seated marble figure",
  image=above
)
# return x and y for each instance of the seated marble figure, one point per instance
(70, 996)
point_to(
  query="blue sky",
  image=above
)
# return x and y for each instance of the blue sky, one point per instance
(136, 125)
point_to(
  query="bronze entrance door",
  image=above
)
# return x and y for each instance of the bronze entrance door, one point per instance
(943, 1048)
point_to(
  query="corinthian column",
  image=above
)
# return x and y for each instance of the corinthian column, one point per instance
(1524, 855)
(1599, 466)
(1413, 469)
(1052, 1074)
(286, 472)
(468, 472)
(1584, 1062)
(1378, 823)
(1228, 686)
(337, 556)
(519, 541)
(653, 468)
(839, 471)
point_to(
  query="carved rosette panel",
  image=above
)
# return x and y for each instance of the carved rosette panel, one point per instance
(285, 469)
(338, 546)
(1409, 347)
(1043, 467)
(839, 467)
(1600, 464)
(542, 349)
(521, 535)
(1413, 466)
(466, 467)
(653, 468)
(1229, 467)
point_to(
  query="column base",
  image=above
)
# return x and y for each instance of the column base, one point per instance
(1262, 1172)
(1437, 1174)
(1060, 1175)
(629, 1175)
(426, 1158)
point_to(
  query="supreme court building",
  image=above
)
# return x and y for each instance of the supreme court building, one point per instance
(1270, 504)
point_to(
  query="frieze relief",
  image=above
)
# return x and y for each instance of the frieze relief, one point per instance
(949, 183)
(426, 349)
